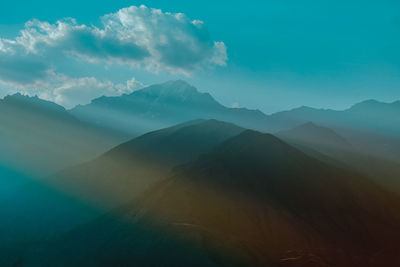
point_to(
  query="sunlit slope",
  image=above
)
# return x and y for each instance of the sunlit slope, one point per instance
(128, 169)
(39, 137)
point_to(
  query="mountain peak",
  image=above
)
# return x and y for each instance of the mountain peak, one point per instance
(312, 133)
(372, 103)
(250, 140)
(367, 103)
(177, 83)
(18, 97)
(173, 87)
(32, 102)
(309, 124)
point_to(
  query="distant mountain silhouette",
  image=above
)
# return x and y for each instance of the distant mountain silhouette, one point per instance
(39, 136)
(163, 105)
(254, 200)
(128, 169)
(371, 126)
(369, 115)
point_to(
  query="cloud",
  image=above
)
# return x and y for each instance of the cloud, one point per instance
(69, 92)
(136, 36)
(74, 91)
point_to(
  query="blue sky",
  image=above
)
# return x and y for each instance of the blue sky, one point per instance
(279, 53)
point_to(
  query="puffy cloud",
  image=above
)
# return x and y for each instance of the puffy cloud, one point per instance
(138, 36)
(91, 43)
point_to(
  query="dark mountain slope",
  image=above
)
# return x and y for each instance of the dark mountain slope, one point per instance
(258, 193)
(31, 212)
(128, 169)
(162, 105)
(324, 144)
(252, 200)
(41, 137)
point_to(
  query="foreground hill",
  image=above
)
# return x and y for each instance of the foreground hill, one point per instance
(252, 200)
(33, 211)
(128, 169)
(40, 137)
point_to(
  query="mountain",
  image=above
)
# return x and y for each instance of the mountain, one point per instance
(40, 137)
(371, 126)
(325, 144)
(252, 200)
(317, 135)
(162, 105)
(128, 169)
(369, 115)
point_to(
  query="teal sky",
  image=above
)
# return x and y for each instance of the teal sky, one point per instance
(281, 53)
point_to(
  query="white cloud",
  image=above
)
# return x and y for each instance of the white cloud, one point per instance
(137, 36)
(69, 92)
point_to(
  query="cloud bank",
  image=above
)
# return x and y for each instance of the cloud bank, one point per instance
(135, 37)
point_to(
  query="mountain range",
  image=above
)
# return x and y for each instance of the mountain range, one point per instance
(166, 175)
(59, 138)
(370, 125)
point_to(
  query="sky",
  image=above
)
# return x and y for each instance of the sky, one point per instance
(271, 55)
